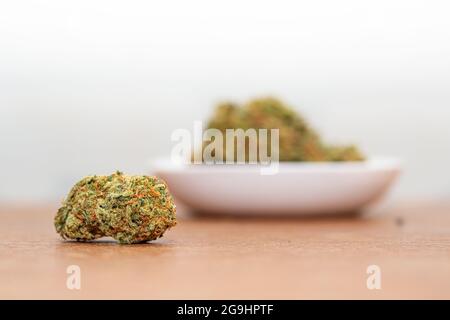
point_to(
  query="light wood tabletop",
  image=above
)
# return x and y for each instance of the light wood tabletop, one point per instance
(235, 258)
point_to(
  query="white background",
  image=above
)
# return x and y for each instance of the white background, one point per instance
(93, 86)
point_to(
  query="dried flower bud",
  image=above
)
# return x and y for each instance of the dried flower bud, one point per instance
(298, 140)
(131, 209)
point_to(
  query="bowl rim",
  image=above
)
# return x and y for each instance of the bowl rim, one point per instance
(377, 163)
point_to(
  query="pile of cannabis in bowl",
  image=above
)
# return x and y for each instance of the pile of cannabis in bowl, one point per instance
(297, 140)
(131, 209)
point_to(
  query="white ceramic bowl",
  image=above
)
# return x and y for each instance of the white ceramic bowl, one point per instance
(298, 188)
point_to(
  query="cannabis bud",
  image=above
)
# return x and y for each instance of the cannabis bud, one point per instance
(298, 141)
(131, 209)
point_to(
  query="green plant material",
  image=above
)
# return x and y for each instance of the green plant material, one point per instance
(298, 141)
(344, 153)
(131, 209)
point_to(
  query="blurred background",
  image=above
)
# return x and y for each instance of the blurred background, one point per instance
(93, 86)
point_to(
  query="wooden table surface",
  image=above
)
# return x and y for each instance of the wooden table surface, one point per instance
(231, 258)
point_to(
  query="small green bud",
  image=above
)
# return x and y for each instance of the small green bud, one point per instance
(131, 209)
(298, 141)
